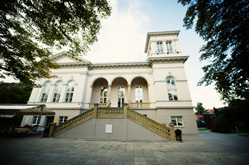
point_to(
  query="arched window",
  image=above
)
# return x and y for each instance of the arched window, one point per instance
(103, 95)
(138, 94)
(57, 91)
(69, 91)
(45, 91)
(121, 95)
(172, 92)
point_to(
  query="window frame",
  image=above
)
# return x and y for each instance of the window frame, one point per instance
(64, 118)
(121, 100)
(57, 94)
(45, 92)
(171, 88)
(159, 47)
(37, 118)
(176, 119)
(103, 98)
(139, 97)
(68, 98)
(169, 47)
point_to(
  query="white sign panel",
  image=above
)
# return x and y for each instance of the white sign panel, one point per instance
(108, 128)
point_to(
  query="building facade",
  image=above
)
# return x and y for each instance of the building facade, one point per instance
(157, 88)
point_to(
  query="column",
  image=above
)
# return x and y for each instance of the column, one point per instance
(109, 91)
(149, 99)
(129, 90)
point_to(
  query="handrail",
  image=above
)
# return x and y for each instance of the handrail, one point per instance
(73, 122)
(150, 124)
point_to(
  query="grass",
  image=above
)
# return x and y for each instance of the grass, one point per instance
(204, 129)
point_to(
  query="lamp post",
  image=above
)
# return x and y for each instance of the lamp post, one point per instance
(43, 105)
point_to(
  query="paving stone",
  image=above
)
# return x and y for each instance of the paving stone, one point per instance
(205, 148)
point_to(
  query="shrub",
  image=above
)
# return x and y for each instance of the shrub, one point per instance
(220, 124)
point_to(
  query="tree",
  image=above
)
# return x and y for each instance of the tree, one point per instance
(200, 109)
(14, 93)
(224, 25)
(30, 29)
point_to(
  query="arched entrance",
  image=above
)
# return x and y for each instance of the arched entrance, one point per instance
(99, 92)
(119, 92)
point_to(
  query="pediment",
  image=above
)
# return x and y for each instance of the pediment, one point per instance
(63, 57)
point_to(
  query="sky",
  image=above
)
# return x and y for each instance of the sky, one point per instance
(123, 36)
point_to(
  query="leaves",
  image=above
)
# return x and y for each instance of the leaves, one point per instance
(224, 25)
(200, 109)
(30, 29)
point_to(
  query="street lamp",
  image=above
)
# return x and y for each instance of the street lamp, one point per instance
(43, 105)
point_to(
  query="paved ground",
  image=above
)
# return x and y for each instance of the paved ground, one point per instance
(205, 148)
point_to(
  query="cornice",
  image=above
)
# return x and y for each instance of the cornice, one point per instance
(73, 65)
(120, 65)
(168, 59)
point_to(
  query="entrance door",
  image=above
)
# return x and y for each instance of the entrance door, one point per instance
(121, 95)
(48, 120)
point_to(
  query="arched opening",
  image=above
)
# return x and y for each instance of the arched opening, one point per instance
(99, 91)
(139, 90)
(119, 90)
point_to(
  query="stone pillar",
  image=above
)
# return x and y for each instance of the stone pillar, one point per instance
(125, 110)
(51, 129)
(149, 99)
(91, 91)
(109, 92)
(129, 91)
(172, 132)
(95, 110)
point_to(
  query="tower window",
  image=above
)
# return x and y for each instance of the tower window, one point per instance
(159, 47)
(169, 48)
(172, 92)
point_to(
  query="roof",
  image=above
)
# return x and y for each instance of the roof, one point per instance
(18, 109)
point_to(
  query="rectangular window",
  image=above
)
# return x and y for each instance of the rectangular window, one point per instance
(177, 120)
(159, 47)
(169, 48)
(62, 119)
(36, 120)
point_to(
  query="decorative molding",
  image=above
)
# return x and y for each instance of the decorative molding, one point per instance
(167, 59)
(173, 100)
(130, 65)
(171, 107)
(129, 85)
(148, 85)
(110, 86)
(181, 80)
(91, 86)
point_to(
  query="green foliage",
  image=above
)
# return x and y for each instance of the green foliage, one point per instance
(200, 109)
(221, 124)
(15, 93)
(31, 28)
(178, 132)
(224, 25)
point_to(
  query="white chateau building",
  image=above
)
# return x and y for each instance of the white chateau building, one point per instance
(157, 88)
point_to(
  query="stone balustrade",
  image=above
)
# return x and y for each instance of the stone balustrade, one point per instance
(120, 112)
(139, 105)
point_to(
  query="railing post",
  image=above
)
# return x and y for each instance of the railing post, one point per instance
(95, 110)
(51, 129)
(172, 133)
(125, 110)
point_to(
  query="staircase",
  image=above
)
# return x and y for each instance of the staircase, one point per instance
(110, 112)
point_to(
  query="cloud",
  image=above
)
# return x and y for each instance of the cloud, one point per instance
(122, 37)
